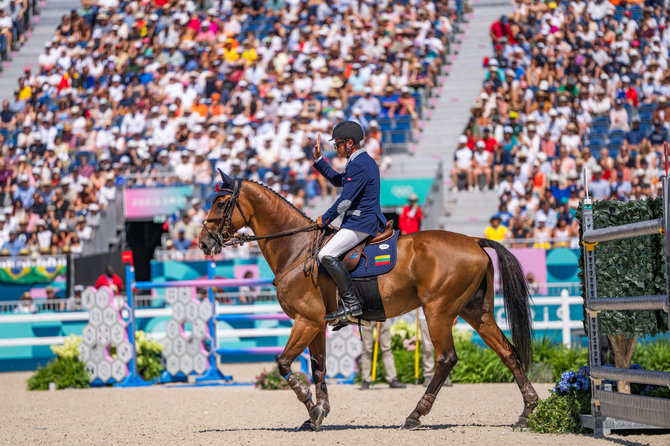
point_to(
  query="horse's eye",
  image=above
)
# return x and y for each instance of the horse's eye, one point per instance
(220, 205)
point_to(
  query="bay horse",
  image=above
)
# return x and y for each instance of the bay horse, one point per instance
(445, 273)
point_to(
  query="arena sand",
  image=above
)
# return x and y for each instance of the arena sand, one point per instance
(465, 414)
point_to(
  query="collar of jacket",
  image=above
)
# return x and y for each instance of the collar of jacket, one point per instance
(355, 154)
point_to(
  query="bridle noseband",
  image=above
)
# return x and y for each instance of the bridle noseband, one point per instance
(225, 231)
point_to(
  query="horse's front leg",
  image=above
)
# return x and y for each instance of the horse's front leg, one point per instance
(317, 354)
(302, 334)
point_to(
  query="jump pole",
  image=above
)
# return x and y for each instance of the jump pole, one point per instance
(375, 351)
(416, 350)
(133, 379)
(213, 373)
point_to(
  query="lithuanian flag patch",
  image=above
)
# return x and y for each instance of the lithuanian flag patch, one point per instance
(383, 260)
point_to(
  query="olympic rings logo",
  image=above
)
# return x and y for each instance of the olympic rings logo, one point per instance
(402, 191)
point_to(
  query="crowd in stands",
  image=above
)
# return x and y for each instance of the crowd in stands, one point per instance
(16, 22)
(573, 91)
(158, 93)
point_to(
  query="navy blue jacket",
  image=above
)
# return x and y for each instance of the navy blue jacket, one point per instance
(360, 193)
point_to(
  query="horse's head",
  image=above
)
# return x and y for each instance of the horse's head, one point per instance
(224, 218)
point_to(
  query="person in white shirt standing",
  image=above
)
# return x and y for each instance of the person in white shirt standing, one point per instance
(463, 163)
(481, 164)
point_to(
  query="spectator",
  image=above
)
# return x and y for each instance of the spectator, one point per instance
(542, 232)
(26, 305)
(599, 188)
(463, 164)
(411, 216)
(83, 231)
(111, 280)
(73, 303)
(248, 293)
(14, 246)
(504, 215)
(190, 229)
(619, 117)
(367, 338)
(24, 191)
(496, 231)
(635, 136)
(181, 242)
(51, 299)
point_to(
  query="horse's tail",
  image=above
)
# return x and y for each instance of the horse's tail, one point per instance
(516, 298)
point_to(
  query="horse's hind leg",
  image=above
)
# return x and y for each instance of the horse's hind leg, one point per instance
(440, 333)
(302, 334)
(479, 314)
(317, 353)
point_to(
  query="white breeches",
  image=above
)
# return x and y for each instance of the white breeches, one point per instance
(342, 241)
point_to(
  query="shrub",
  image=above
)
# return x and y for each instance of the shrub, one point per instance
(559, 414)
(149, 364)
(404, 365)
(554, 415)
(654, 354)
(558, 356)
(477, 364)
(273, 380)
(65, 371)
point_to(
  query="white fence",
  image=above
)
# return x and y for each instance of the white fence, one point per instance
(552, 319)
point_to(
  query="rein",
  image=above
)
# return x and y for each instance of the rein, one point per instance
(225, 234)
(241, 238)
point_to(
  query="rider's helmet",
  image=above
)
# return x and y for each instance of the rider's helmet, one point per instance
(348, 130)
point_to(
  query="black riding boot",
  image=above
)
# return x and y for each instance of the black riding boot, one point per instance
(349, 304)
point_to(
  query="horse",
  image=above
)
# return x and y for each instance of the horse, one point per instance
(445, 273)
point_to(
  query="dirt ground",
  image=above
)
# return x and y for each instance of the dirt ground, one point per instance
(465, 414)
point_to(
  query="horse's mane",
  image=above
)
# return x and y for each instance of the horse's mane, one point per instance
(278, 196)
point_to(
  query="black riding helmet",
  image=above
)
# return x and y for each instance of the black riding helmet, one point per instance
(348, 130)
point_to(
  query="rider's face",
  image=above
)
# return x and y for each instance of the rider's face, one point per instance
(341, 147)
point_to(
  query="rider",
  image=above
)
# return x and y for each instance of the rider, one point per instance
(359, 203)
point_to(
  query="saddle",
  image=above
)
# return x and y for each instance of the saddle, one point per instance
(353, 256)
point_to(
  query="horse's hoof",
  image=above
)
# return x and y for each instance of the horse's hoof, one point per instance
(307, 426)
(411, 424)
(521, 424)
(316, 415)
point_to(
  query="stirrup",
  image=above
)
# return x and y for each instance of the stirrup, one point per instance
(343, 312)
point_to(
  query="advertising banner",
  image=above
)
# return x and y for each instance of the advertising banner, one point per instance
(395, 192)
(147, 203)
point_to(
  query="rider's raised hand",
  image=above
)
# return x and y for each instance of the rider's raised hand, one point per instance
(317, 147)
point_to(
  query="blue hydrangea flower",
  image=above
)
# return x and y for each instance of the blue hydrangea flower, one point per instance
(586, 383)
(635, 367)
(583, 371)
(563, 386)
(568, 375)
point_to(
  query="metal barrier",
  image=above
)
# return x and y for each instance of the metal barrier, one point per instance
(634, 408)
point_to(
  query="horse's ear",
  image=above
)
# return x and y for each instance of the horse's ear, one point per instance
(227, 181)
